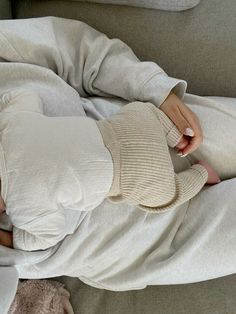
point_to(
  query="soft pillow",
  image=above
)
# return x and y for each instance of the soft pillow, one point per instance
(167, 5)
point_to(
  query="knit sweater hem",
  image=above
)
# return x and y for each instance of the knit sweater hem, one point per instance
(143, 171)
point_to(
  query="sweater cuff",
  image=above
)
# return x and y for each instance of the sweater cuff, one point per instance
(191, 182)
(158, 87)
(188, 184)
(202, 170)
(173, 135)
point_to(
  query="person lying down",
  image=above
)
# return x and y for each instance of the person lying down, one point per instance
(46, 168)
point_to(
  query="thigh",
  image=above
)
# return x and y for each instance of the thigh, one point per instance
(204, 246)
(217, 116)
(218, 120)
(191, 243)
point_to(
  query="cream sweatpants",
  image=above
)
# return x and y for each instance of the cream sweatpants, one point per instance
(191, 243)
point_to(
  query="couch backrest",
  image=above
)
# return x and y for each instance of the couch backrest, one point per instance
(197, 45)
(167, 5)
(5, 9)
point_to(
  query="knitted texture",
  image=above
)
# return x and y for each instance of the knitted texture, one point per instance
(137, 138)
(41, 297)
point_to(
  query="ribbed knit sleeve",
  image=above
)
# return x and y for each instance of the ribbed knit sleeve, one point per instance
(172, 134)
(187, 184)
(144, 175)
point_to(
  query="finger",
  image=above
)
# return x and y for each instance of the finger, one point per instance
(198, 138)
(183, 143)
(193, 145)
(179, 120)
(192, 120)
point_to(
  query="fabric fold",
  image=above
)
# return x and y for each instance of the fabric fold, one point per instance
(143, 171)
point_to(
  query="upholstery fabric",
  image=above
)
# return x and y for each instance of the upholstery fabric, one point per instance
(5, 9)
(195, 45)
(167, 5)
(209, 297)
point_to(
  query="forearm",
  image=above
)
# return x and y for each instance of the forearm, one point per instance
(6, 238)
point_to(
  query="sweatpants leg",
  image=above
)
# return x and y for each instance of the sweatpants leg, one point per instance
(218, 120)
(204, 245)
(205, 242)
(120, 247)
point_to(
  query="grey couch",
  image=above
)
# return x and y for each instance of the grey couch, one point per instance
(197, 45)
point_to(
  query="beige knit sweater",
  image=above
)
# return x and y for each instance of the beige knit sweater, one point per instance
(138, 137)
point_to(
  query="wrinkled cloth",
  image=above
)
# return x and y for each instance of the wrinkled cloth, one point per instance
(41, 297)
(115, 246)
(137, 138)
(67, 61)
(47, 166)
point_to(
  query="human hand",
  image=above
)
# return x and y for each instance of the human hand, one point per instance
(182, 143)
(6, 238)
(185, 120)
(213, 177)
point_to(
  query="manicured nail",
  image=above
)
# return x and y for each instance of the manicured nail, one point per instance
(189, 132)
(181, 154)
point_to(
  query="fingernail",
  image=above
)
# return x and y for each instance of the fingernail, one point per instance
(189, 132)
(181, 154)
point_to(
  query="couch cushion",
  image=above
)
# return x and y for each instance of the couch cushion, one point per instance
(167, 5)
(216, 296)
(5, 9)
